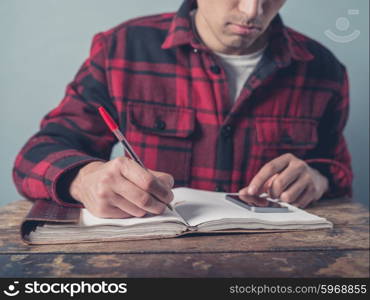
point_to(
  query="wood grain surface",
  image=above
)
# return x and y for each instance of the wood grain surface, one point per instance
(339, 252)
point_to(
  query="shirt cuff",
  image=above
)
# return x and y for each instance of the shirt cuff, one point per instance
(339, 177)
(60, 178)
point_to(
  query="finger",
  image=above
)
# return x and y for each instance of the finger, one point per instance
(110, 212)
(144, 179)
(295, 190)
(267, 171)
(284, 180)
(166, 178)
(139, 197)
(265, 189)
(125, 205)
(305, 199)
(268, 184)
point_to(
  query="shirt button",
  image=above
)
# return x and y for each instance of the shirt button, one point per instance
(216, 69)
(195, 50)
(161, 125)
(226, 131)
(287, 139)
(219, 188)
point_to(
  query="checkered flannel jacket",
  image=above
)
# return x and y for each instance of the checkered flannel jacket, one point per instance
(169, 95)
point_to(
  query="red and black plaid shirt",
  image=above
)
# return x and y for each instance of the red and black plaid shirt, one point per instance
(169, 95)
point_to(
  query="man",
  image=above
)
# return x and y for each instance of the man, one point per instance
(220, 96)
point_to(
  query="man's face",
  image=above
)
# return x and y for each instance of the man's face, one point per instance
(234, 25)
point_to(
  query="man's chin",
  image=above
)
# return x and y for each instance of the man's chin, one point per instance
(239, 45)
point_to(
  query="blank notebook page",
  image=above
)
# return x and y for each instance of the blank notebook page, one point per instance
(198, 207)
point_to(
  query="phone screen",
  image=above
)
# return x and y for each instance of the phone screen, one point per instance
(256, 203)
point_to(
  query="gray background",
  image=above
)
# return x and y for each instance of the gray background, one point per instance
(43, 42)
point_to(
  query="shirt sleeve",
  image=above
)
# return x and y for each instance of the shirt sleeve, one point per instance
(331, 156)
(70, 136)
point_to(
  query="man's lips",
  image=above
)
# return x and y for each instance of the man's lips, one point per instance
(244, 30)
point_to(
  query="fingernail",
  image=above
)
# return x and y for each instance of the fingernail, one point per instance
(172, 183)
(251, 190)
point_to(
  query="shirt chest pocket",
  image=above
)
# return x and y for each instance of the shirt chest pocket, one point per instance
(286, 135)
(161, 136)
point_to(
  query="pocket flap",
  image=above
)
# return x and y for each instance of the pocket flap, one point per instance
(162, 120)
(286, 132)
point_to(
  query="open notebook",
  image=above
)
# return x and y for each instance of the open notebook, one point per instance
(194, 211)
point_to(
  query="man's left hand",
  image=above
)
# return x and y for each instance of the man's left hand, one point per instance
(290, 179)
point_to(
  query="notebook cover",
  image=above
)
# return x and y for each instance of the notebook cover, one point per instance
(47, 211)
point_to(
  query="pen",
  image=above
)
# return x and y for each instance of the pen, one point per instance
(121, 138)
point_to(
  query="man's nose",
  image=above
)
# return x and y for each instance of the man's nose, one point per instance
(251, 8)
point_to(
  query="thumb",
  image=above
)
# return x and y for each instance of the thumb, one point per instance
(165, 178)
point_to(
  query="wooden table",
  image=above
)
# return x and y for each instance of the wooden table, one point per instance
(340, 252)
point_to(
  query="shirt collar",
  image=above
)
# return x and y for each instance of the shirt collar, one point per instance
(283, 43)
(180, 32)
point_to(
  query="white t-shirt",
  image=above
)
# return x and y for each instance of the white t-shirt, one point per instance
(238, 69)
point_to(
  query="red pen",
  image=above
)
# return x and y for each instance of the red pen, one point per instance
(121, 138)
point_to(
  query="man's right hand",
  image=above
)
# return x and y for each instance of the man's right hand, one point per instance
(121, 188)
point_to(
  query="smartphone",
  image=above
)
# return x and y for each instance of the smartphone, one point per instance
(257, 204)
